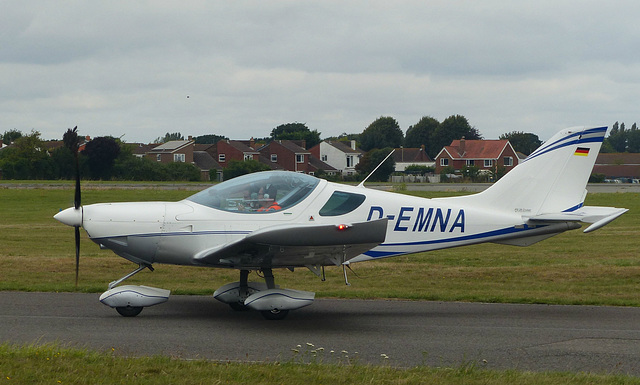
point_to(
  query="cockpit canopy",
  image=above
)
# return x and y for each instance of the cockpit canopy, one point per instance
(260, 192)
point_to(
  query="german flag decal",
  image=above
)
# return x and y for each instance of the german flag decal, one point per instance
(581, 151)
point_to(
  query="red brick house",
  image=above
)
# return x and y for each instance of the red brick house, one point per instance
(292, 156)
(173, 151)
(489, 155)
(288, 154)
(228, 150)
(618, 165)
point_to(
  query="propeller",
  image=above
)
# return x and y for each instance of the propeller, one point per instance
(71, 141)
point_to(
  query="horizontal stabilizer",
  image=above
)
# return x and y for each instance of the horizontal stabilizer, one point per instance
(598, 216)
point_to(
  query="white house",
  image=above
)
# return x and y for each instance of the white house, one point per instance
(338, 155)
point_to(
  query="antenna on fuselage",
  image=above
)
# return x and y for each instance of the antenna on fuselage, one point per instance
(375, 169)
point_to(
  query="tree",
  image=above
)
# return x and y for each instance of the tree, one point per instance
(452, 128)
(238, 167)
(168, 137)
(383, 132)
(27, 159)
(617, 139)
(523, 142)
(372, 159)
(101, 154)
(209, 139)
(64, 162)
(633, 139)
(421, 133)
(296, 131)
(10, 136)
(183, 171)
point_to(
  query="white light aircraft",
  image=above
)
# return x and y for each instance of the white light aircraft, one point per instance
(275, 219)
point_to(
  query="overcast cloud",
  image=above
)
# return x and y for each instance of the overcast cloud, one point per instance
(127, 67)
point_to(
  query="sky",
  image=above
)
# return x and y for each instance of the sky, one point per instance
(140, 69)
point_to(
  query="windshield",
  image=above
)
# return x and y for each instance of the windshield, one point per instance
(260, 192)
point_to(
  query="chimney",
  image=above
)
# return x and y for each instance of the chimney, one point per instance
(190, 137)
(353, 144)
(252, 143)
(462, 146)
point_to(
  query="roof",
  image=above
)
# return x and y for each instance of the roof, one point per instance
(203, 147)
(476, 149)
(292, 146)
(406, 155)
(141, 148)
(240, 146)
(204, 161)
(171, 146)
(320, 165)
(268, 162)
(344, 147)
(618, 158)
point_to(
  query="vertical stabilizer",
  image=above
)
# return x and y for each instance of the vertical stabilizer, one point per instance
(552, 179)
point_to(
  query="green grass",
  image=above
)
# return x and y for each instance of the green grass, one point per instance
(58, 365)
(601, 268)
(37, 254)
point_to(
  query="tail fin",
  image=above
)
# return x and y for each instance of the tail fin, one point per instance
(552, 179)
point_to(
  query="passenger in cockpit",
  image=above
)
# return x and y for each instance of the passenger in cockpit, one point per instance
(268, 204)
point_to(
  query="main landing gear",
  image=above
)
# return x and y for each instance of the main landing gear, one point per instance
(266, 297)
(269, 299)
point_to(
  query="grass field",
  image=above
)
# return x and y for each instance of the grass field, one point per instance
(603, 267)
(37, 254)
(53, 364)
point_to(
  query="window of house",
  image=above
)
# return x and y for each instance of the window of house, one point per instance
(178, 157)
(470, 162)
(508, 161)
(349, 160)
(324, 158)
(248, 157)
(221, 157)
(159, 158)
(299, 158)
(444, 162)
(488, 162)
(274, 158)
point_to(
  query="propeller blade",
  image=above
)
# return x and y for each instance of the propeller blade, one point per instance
(71, 141)
(77, 228)
(76, 200)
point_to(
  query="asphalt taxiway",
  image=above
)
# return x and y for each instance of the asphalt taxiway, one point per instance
(409, 333)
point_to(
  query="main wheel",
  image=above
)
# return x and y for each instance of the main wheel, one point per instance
(129, 311)
(274, 314)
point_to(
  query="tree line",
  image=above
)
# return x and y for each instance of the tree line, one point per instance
(103, 158)
(109, 158)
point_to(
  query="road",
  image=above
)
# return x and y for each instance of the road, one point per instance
(501, 336)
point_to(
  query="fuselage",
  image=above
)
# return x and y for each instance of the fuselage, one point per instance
(175, 232)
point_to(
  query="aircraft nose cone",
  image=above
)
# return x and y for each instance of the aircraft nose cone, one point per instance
(70, 216)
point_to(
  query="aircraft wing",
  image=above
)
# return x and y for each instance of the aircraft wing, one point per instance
(297, 245)
(597, 216)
